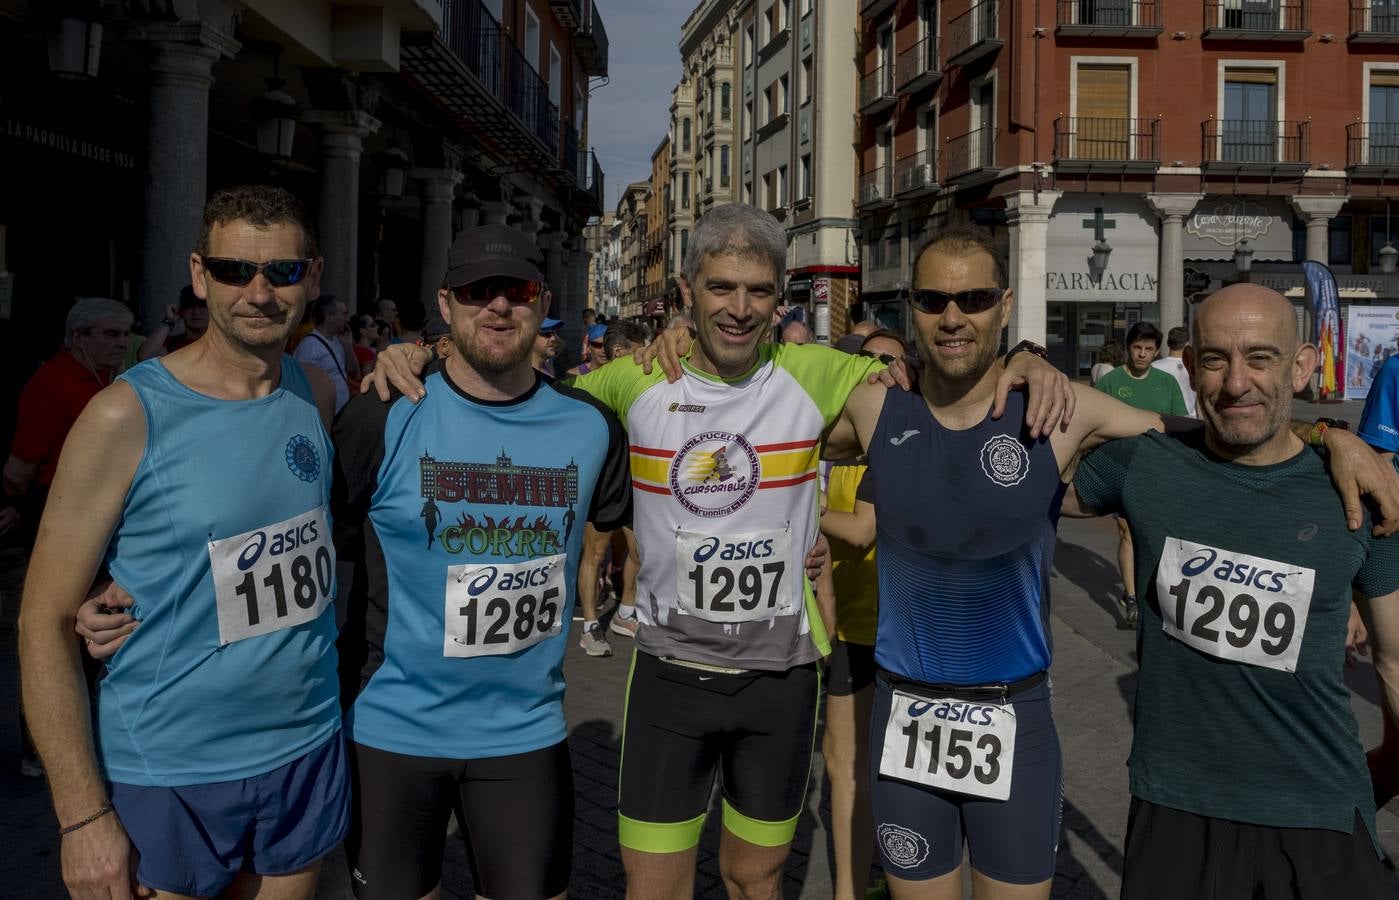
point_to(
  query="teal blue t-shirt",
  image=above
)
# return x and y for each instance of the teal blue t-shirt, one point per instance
(1245, 575)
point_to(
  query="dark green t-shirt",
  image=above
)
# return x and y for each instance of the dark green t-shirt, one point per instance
(1158, 392)
(1243, 713)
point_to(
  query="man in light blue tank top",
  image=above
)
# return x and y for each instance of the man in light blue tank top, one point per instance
(201, 483)
(963, 751)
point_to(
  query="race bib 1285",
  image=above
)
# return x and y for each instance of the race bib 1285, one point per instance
(498, 608)
(1234, 606)
(273, 578)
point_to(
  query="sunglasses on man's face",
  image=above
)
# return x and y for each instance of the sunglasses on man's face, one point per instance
(239, 272)
(975, 300)
(515, 291)
(886, 358)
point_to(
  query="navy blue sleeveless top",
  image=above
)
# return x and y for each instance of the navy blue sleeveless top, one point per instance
(966, 543)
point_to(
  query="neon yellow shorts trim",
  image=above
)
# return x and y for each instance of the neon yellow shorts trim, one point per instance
(756, 831)
(660, 837)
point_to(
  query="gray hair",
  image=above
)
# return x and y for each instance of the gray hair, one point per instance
(86, 313)
(741, 229)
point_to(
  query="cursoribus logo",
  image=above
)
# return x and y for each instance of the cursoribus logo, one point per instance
(513, 579)
(714, 473)
(1229, 571)
(730, 551)
(276, 543)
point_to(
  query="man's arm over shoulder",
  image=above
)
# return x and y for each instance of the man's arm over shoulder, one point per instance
(84, 507)
(1100, 480)
(827, 375)
(849, 434)
(1100, 417)
(611, 506)
(618, 384)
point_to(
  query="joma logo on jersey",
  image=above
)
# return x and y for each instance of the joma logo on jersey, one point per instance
(1235, 572)
(491, 577)
(732, 550)
(277, 543)
(970, 713)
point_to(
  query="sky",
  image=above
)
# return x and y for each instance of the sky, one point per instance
(629, 115)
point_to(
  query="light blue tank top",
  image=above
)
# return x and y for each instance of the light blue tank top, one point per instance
(225, 545)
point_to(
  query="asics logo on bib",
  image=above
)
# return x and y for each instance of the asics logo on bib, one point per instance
(1233, 572)
(514, 579)
(280, 542)
(732, 550)
(953, 712)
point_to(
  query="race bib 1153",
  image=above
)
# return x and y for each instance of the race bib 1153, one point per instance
(1234, 606)
(950, 745)
(273, 578)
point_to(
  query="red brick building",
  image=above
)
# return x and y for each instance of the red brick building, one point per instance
(1130, 153)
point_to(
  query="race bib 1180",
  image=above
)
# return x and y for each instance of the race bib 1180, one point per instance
(1234, 606)
(737, 578)
(498, 608)
(273, 578)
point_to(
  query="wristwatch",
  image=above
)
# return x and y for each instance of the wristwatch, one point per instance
(1028, 347)
(168, 323)
(1317, 436)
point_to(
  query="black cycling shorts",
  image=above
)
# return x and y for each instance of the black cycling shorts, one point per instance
(1172, 853)
(919, 831)
(516, 814)
(755, 729)
(850, 669)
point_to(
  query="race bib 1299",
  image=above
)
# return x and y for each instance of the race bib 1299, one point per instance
(498, 608)
(273, 578)
(1234, 606)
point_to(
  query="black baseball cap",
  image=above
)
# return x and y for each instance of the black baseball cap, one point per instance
(435, 328)
(492, 251)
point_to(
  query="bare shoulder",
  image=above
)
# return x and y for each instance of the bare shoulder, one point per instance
(109, 436)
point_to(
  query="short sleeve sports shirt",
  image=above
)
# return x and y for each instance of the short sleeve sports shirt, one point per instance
(724, 474)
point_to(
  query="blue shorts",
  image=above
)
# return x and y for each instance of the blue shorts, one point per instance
(194, 839)
(919, 831)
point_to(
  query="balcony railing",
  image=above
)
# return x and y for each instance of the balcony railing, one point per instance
(1109, 18)
(527, 96)
(871, 8)
(1107, 142)
(1374, 21)
(968, 156)
(876, 188)
(590, 42)
(567, 12)
(975, 33)
(1255, 143)
(877, 90)
(916, 174)
(917, 66)
(1372, 146)
(1256, 20)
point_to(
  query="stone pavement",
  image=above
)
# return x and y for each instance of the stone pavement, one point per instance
(1093, 683)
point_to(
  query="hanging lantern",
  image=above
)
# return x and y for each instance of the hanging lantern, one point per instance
(74, 45)
(1243, 257)
(393, 172)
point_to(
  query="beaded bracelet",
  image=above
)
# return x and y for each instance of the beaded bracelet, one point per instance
(88, 821)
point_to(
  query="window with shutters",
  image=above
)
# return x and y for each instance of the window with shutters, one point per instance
(1250, 128)
(1383, 129)
(1102, 126)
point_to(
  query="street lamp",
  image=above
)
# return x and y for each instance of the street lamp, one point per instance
(74, 46)
(1388, 254)
(1099, 264)
(276, 114)
(1243, 257)
(393, 172)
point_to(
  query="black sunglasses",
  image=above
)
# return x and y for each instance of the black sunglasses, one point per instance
(886, 358)
(238, 272)
(976, 300)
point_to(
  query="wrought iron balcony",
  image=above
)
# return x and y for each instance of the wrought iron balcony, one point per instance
(975, 33)
(1260, 144)
(876, 188)
(590, 42)
(1109, 18)
(1256, 20)
(1374, 21)
(1100, 144)
(971, 156)
(871, 8)
(877, 90)
(567, 12)
(1372, 148)
(916, 174)
(917, 67)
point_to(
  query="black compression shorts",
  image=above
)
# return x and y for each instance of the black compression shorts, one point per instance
(516, 814)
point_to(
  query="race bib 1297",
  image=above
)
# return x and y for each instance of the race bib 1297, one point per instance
(951, 745)
(498, 608)
(736, 578)
(1234, 606)
(273, 578)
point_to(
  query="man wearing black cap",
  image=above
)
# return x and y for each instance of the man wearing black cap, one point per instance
(453, 652)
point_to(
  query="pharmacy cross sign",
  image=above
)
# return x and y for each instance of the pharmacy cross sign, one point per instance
(1098, 223)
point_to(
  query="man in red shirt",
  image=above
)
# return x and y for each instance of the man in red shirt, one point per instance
(94, 342)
